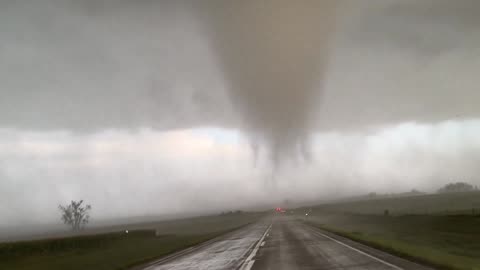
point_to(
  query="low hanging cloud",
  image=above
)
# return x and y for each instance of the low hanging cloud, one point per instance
(147, 172)
(122, 173)
(397, 61)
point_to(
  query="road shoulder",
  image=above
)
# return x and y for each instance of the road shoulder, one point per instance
(363, 247)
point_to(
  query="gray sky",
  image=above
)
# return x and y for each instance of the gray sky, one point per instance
(157, 105)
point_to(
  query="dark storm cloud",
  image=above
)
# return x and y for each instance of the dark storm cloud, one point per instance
(404, 61)
(89, 65)
(92, 65)
(260, 66)
(427, 28)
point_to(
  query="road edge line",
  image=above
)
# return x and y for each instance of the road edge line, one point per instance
(357, 250)
(248, 263)
(186, 251)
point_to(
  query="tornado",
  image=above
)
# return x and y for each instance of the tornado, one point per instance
(273, 56)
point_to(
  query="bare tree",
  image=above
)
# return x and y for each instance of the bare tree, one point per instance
(75, 215)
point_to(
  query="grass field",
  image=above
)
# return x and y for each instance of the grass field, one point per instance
(444, 239)
(437, 204)
(117, 250)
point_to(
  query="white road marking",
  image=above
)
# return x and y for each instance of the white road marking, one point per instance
(248, 263)
(359, 251)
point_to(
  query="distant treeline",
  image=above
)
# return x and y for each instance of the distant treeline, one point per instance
(448, 188)
(457, 187)
(237, 212)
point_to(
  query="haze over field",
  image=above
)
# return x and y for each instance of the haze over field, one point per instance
(161, 107)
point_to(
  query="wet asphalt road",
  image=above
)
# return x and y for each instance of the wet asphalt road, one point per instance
(286, 244)
(227, 253)
(294, 245)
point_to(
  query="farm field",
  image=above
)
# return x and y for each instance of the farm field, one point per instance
(118, 250)
(431, 229)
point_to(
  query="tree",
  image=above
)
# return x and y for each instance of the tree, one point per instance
(75, 215)
(456, 187)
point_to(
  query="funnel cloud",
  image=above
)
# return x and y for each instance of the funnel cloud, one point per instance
(273, 57)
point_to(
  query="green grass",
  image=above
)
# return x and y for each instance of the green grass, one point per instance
(442, 230)
(438, 204)
(117, 250)
(446, 242)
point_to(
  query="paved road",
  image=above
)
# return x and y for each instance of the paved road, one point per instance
(284, 243)
(225, 253)
(294, 245)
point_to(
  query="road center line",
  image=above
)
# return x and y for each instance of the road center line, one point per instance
(357, 250)
(248, 263)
